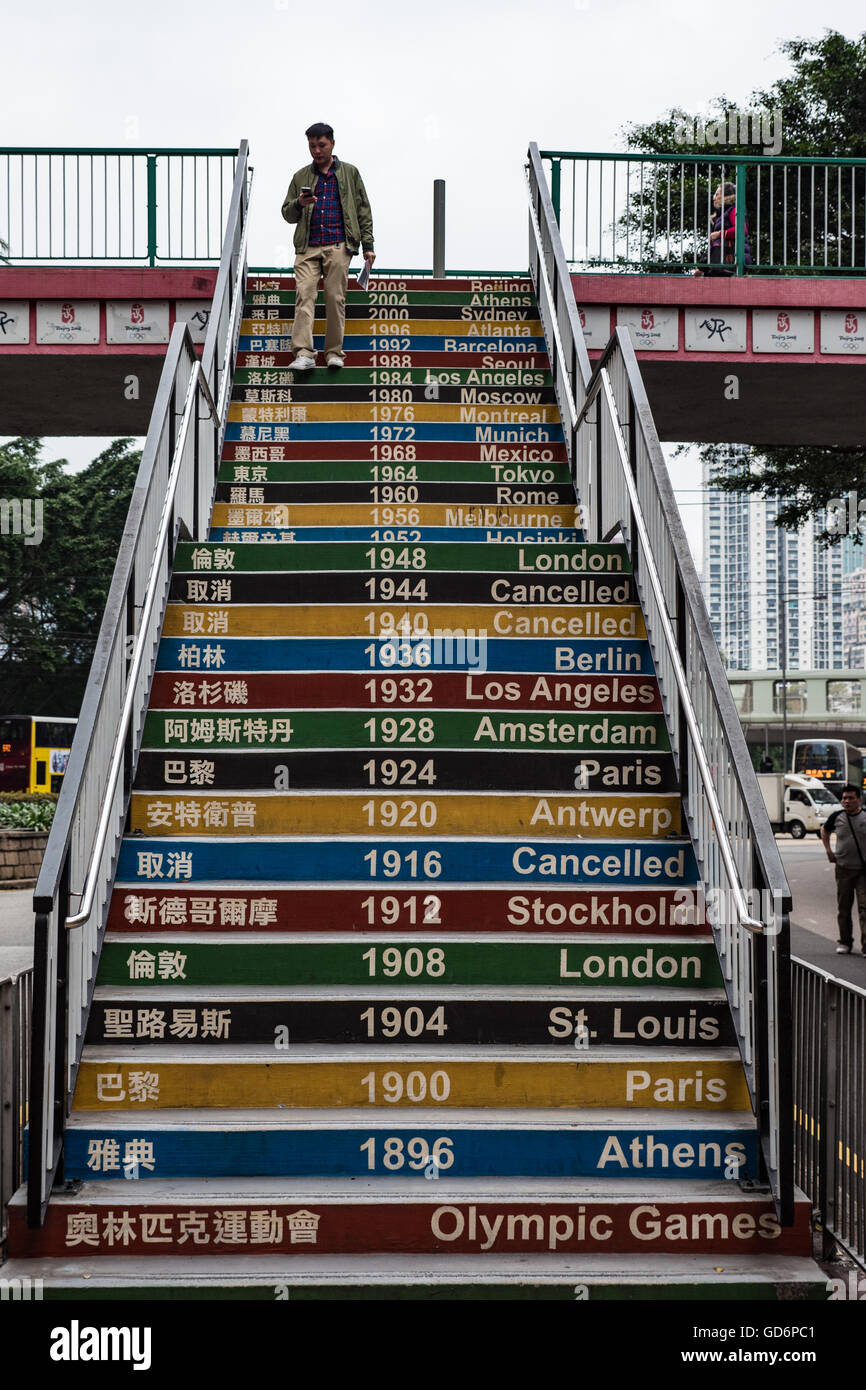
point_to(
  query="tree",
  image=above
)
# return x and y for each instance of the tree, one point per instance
(52, 594)
(823, 112)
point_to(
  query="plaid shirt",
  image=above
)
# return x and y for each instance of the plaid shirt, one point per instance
(326, 223)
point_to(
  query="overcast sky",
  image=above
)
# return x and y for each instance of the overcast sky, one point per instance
(451, 90)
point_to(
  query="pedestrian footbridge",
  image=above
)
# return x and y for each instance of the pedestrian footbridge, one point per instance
(411, 925)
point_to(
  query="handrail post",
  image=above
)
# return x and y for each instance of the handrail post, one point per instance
(741, 219)
(151, 209)
(556, 186)
(829, 1142)
(438, 229)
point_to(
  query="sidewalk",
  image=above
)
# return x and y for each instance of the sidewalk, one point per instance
(16, 931)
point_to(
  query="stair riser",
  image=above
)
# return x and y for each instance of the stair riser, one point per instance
(102, 1151)
(301, 1228)
(395, 515)
(561, 1024)
(403, 656)
(155, 1085)
(427, 961)
(380, 585)
(510, 454)
(354, 769)
(640, 912)
(608, 863)
(398, 732)
(426, 535)
(401, 813)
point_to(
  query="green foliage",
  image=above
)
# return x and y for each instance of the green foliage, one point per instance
(822, 102)
(27, 814)
(804, 477)
(52, 595)
(822, 107)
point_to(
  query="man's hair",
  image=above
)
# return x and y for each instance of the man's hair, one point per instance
(316, 131)
(849, 788)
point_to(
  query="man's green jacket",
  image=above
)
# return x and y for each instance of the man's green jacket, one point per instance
(357, 214)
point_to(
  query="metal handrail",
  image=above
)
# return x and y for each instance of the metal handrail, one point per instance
(172, 497)
(601, 382)
(630, 495)
(197, 383)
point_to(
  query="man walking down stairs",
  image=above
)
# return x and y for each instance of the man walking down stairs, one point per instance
(407, 990)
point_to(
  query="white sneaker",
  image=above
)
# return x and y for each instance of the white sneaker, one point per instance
(334, 360)
(843, 950)
(303, 362)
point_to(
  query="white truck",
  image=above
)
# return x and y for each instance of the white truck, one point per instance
(796, 803)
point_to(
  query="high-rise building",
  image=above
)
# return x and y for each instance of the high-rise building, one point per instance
(775, 597)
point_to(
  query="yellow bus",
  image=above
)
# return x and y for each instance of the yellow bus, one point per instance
(34, 752)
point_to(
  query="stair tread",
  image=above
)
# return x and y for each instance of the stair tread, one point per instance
(112, 1270)
(532, 1118)
(146, 1190)
(229, 1053)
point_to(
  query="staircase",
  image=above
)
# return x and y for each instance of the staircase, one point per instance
(407, 991)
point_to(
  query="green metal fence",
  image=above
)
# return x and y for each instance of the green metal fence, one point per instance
(121, 205)
(654, 213)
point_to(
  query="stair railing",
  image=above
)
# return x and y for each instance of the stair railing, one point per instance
(171, 500)
(624, 490)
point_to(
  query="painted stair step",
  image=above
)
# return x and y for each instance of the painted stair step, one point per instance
(373, 295)
(592, 731)
(253, 1075)
(353, 770)
(625, 656)
(260, 318)
(509, 380)
(225, 1016)
(389, 364)
(642, 1144)
(343, 860)
(481, 432)
(363, 386)
(341, 494)
(432, 1218)
(551, 558)
(401, 813)
(273, 908)
(424, 535)
(516, 282)
(218, 959)
(416, 321)
(439, 336)
(266, 451)
(363, 470)
(591, 1278)
(387, 515)
(384, 586)
(440, 690)
(382, 619)
(373, 412)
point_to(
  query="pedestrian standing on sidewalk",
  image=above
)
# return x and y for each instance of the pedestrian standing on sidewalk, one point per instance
(849, 823)
(328, 201)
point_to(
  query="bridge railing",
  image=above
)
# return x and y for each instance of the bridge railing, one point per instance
(653, 213)
(171, 500)
(624, 490)
(121, 205)
(829, 1059)
(16, 993)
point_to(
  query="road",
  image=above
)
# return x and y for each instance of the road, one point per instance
(813, 919)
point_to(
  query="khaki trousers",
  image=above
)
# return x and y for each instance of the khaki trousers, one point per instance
(331, 264)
